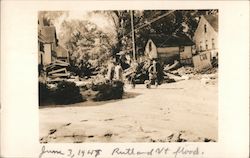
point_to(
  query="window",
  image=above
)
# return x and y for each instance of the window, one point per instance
(41, 59)
(205, 28)
(150, 46)
(206, 45)
(213, 45)
(203, 57)
(200, 46)
(41, 47)
(182, 48)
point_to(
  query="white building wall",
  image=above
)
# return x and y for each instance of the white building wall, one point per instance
(153, 52)
(187, 53)
(205, 40)
(47, 54)
(168, 50)
(202, 60)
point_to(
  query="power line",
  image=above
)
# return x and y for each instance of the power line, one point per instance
(153, 20)
(148, 23)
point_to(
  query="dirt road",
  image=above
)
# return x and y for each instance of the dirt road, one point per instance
(176, 112)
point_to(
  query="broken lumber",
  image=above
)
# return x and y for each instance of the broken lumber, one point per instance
(61, 75)
(173, 66)
(61, 62)
(58, 70)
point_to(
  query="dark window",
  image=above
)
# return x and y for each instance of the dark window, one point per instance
(203, 57)
(182, 48)
(41, 59)
(205, 28)
(213, 45)
(41, 47)
(150, 46)
(200, 46)
(206, 45)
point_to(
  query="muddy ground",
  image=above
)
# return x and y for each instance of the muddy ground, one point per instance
(175, 112)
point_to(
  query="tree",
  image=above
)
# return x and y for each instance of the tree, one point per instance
(121, 21)
(177, 22)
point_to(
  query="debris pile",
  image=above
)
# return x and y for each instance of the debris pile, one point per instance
(57, 71)
(174, 66)
(184, 73)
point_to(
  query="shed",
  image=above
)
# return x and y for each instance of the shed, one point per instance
(169, 48)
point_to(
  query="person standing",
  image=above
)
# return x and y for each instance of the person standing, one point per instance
(111, 71)
(118, 72)
(134, 67)
(153, 74)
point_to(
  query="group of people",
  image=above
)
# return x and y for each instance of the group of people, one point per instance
(115, 72)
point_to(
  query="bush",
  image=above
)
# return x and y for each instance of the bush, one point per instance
(108, 91)
(67, 93)
(44, 93)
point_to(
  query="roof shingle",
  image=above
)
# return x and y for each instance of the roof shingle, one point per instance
(47, 34)
(213, 21)
(162, 41)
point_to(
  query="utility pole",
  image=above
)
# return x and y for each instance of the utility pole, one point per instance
(133, 32)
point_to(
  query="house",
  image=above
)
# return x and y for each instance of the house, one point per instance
(206, 35)
(48, 48)
(206, 41)
(169, 48)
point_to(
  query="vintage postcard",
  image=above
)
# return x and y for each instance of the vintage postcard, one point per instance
(124, 79)
(128, 76)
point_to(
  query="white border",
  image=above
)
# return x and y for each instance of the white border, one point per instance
(19, 115)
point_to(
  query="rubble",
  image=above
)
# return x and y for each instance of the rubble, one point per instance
(56, 71)
(206, 76)
(174, 66)
(176, 77)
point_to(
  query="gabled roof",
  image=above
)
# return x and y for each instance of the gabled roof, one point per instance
(162, 41)
(213, 21)
(61, 52)
(47, 34)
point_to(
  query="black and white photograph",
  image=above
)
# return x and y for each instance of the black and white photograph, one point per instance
(128, 76)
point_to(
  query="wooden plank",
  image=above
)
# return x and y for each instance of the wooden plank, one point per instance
(61, 75)
(55, 80)
(58, 70)
(63, 65)
(61, 62)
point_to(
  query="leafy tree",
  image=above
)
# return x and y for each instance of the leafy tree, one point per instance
(84, 41)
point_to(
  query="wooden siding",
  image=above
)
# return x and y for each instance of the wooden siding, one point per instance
(202, 60)
(205, 40)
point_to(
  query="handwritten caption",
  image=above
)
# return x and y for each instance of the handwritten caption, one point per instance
(117, 151)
